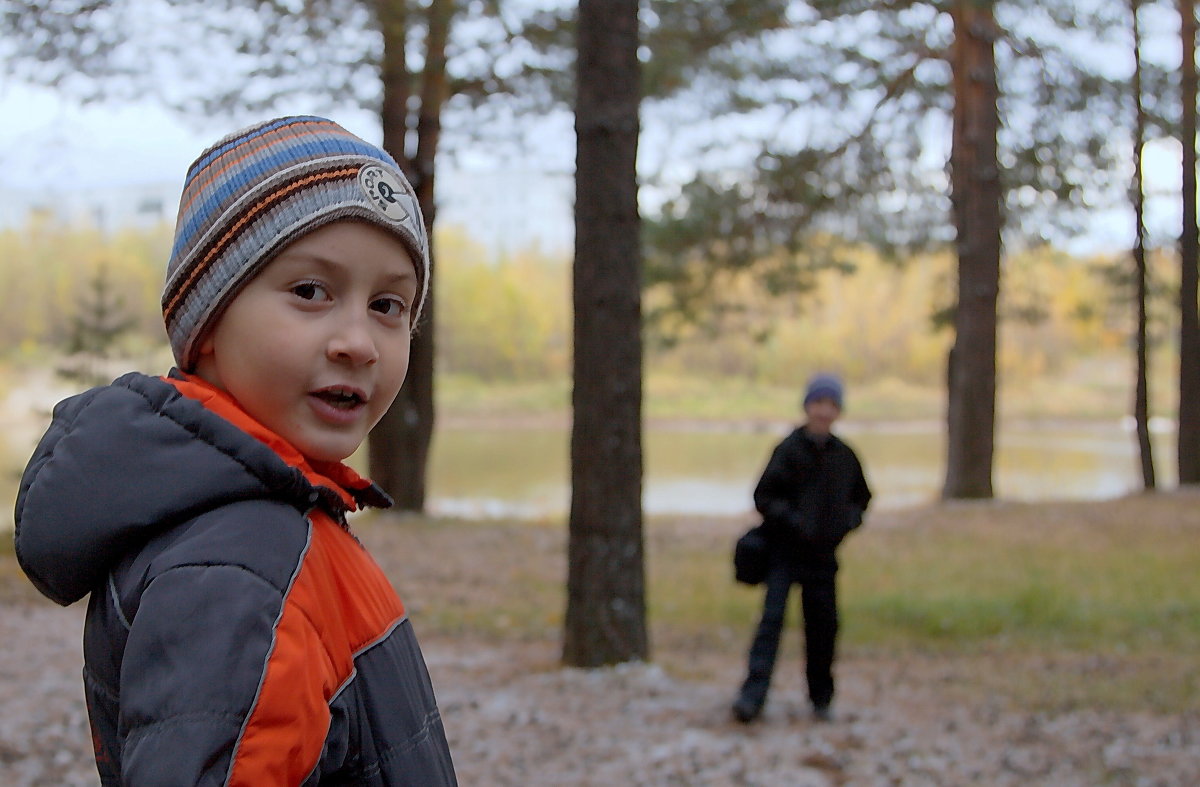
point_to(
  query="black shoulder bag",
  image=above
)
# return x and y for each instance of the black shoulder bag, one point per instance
(750, 557)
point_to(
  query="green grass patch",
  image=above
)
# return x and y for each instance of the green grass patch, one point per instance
(1076, 604)
(1081, 576)
(1053, 576)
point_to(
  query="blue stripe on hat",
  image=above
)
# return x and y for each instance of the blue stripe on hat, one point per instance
(272, 159)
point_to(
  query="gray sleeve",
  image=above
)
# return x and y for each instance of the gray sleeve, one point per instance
(196, 655)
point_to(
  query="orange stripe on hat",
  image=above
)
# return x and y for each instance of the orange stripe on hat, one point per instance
(269, 201)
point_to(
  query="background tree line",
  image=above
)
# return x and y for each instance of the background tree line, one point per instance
(508, 320)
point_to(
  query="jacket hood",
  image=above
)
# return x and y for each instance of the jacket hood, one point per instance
(122, 463)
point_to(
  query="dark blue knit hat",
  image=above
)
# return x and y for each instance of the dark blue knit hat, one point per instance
(824, 386)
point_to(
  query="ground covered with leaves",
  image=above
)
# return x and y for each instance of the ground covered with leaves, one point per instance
(486, 600)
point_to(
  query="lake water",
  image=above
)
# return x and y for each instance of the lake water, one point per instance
(523, 472)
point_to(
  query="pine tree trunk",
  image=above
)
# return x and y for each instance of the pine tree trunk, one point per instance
(1141, 402)
(976, 195)
(400, 443)
(606, 615)
(1189, 259)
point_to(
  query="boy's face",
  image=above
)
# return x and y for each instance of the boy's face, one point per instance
(821, 413)
(315, 346)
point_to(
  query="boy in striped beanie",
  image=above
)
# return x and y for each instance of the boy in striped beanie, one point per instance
(257, 190)
(237, 632)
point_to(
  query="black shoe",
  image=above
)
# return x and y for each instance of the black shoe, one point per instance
(745, 710)
(822, 713)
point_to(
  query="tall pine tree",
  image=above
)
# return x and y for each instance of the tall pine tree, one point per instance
(1189, 261)
(606, 615)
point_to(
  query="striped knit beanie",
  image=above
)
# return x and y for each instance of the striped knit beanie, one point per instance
(261, 188)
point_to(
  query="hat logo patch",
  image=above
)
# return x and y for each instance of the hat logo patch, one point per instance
(386, 193)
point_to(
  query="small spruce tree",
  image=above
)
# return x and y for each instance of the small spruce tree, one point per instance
(96, 330)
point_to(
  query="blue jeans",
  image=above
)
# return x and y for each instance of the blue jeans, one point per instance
(818, 599)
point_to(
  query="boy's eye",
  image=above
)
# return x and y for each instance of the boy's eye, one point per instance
(310, 291)
(389, 307)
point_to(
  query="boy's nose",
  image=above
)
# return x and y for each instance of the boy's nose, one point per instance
(353, 343)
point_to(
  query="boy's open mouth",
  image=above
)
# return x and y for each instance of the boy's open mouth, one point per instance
(341, 398)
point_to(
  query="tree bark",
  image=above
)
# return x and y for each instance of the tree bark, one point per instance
(1141, 399)
(400, 443)
(1189, 259)
(606, 615)
(976, 196)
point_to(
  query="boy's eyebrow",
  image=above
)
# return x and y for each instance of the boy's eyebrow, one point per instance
(304, 257)
(402, 278)
(407, 275)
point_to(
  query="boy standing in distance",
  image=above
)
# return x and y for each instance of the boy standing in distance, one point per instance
(811, 495)
(237, 632)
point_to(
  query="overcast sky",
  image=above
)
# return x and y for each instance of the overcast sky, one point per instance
(48, 143)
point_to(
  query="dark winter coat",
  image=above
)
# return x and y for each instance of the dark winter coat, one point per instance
(811, 494)
(237, 633)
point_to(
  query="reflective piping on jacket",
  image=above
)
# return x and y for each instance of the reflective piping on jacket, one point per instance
(338, 604)
(262, 678)
(354, 675)
(116, 601)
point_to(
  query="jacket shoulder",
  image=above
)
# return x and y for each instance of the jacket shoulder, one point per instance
(263, 536)
(263, 539)
(792, 442)
(127, 465)
(845, 448)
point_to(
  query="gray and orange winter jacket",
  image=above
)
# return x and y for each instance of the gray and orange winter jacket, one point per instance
(237, 633)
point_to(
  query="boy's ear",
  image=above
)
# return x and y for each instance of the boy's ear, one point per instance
(204, 365)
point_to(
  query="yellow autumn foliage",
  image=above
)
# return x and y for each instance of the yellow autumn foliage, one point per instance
(510, 318)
